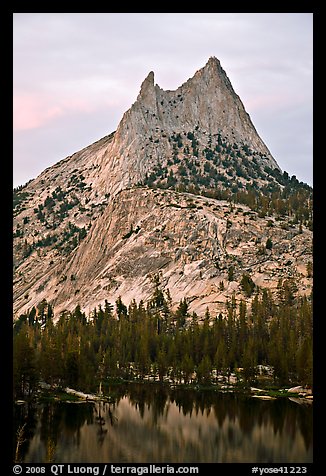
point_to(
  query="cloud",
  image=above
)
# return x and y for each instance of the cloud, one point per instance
(32, 111)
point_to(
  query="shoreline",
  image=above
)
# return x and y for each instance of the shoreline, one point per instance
(47, 392)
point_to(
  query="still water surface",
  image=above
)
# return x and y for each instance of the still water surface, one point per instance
(148, 424)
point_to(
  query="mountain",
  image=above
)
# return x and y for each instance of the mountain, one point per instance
(184, 189)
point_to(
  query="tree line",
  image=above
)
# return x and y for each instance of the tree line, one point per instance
(132, 342)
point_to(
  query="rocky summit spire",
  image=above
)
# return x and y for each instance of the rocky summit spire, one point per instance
(213, 63)
(207, 101)
(214, 70)
(147, 87)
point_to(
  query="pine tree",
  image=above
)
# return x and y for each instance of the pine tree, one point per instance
(142, 357)
(249, 362)
(247, 284)
(182, 312)
(25, 373)
(122, 311)
(161, 364)
(231, 273)
(204, 370)
(220, 359)
(269, 244)
(187, 367)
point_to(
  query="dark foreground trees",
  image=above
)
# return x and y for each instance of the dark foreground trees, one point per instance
(132, 342)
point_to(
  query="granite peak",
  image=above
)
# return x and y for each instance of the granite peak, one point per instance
(157, 197)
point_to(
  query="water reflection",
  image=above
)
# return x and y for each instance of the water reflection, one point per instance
(146, 423)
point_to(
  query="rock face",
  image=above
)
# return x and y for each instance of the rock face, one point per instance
(187, 239)
(92, 228)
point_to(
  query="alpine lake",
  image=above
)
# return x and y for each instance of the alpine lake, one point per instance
(149, 423)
